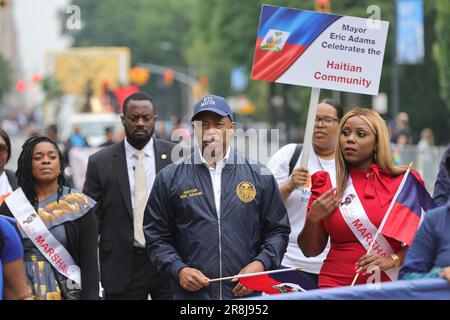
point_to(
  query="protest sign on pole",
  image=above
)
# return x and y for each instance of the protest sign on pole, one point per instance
(319, 50)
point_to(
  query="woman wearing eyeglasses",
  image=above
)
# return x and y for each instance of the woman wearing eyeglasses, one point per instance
(321, 158)
(8, 182)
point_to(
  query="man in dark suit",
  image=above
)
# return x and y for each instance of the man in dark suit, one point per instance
(119, 177)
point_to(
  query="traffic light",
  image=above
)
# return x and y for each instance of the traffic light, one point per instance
(168, 77)
(323, 5)
(139, 76)
(21, 86)
(36, 77)
(203, 80)
(201, 87)
(197, 91)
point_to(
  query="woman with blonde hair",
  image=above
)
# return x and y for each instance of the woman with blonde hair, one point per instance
(349, 211)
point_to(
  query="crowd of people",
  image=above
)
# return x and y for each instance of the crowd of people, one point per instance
(144, 226)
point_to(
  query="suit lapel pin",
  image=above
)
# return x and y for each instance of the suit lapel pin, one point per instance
(164, 156)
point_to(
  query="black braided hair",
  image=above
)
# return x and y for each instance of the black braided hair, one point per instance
(24, 172)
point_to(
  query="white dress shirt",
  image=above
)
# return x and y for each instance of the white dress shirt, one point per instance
(149, 164)
(5, 187)
(216, 177)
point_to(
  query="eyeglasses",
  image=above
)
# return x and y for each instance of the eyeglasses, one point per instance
(326, 121)
(3, 148)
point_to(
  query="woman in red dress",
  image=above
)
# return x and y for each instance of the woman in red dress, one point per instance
(363, 161)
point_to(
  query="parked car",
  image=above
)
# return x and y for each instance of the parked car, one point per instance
(92, 126)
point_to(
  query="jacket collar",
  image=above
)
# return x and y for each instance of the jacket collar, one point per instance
(219, 163)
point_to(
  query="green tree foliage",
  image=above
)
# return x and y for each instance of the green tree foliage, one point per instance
(52, 88)
(226, 37)
(420, 87)
(5, 77)
(442, 47)
(154, 30)
(230, 33)
(215, 36)
(53, 93)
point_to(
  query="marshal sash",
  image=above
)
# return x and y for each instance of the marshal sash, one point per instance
(359, 223)
(35, 229)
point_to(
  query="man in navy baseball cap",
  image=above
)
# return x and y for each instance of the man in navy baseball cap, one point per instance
(216, 181)
(214, 104)
(214, 127)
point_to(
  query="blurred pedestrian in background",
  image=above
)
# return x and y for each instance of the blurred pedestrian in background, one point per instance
(109, 136)
(425, 153)
(401, 128)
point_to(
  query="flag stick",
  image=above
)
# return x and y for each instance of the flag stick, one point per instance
(307, 141)
(246, 275)
(399, 189)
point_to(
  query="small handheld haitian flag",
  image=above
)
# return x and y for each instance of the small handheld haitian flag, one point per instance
(411, 203)
(276, 283)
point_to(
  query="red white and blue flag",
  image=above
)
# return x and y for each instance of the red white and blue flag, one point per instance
(412, 202)
(283, 36)
(277, 282)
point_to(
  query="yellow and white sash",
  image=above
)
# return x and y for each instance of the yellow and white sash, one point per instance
(32, 225)
(359, 223)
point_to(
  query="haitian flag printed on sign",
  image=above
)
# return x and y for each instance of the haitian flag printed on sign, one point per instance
(283, 35)
(281, 282)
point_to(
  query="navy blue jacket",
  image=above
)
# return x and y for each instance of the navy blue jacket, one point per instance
(442, 186)
(182, 228)
(431, 246)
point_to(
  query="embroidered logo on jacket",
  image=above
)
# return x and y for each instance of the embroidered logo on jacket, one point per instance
(246, 191)
(191, 193)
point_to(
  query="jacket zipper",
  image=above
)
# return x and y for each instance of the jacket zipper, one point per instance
(220, 257)
(220, 231)
(220, 239)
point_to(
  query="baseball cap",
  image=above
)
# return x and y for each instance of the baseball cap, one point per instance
(214, 104)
